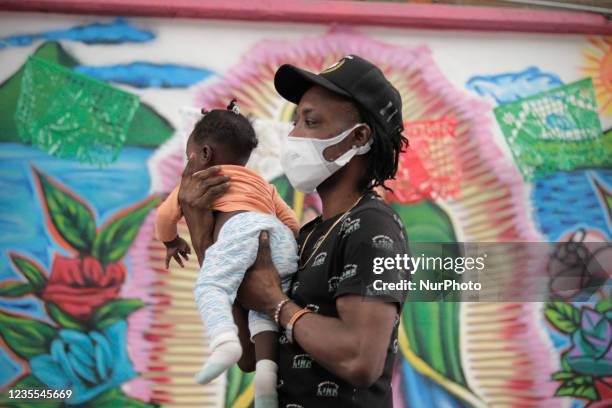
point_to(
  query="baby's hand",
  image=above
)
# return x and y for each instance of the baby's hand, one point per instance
(176, 247)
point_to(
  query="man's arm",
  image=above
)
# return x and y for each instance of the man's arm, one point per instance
(352, 346)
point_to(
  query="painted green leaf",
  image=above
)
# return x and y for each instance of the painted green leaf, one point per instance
(604, 306)
(15, 289)
(63, 319)
(563, 316)
(588, 392)
(70, 216)
(564, 364)
(237, 383)
(26, 337)
(580, 386)
(565, 390)
(563, 375)
(32, 272)
(28, 382)
(432, 328)
(117, 234)
(115, 398)
(284, 189)
(582, 380)
(115, 310)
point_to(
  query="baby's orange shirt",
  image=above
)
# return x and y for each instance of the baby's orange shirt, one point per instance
(248, 191)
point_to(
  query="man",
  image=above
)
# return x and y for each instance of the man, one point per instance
(340, 337)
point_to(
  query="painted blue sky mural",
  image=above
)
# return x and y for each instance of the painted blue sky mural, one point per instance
(142, 74)
(512, 86)
(116, 32)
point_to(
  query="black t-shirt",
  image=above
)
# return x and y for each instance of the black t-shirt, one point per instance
(342, 265)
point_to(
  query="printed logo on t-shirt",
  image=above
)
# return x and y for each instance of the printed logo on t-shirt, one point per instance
(349, 225)
(382, 242)
(320, 259)
(293, 406)
(327, 389)
(313, 307)
(397, 320)
(295, 287)
(333, 283)
(280, 383)
(302, 361)
(370, 290)
(348, 271)
(282, 339)
(395, 346)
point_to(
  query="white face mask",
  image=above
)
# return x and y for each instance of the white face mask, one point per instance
(303, 162)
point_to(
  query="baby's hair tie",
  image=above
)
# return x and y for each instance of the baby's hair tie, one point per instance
(233, 107)
(204, 111)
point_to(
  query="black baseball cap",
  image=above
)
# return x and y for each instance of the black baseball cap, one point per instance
(352, 77)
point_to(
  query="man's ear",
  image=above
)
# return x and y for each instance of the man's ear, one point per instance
(207, 154)
(358, 138)
(361, 135)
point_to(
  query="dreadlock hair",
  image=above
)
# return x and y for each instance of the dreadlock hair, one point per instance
(229, 129)
(383, 157)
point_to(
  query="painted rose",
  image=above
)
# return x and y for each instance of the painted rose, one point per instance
(79, 286)
(604, 389)
(591, 352)
(86, 363)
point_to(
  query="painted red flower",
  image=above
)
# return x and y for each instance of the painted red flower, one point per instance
(79, 286)
(604, 389)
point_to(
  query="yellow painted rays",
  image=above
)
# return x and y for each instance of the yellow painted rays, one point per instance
(598, 65)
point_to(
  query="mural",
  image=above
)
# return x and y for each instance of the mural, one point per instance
(84, 349)
(85, 300)
(510, 87)
(598, 64)
(147, 75)
(555, 130)
(115, 32)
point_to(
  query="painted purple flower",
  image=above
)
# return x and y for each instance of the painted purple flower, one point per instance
(591, 352)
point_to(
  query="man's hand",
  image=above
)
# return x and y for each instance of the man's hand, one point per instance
(178, 248)
(261, 286)
(200, 189)
(198, 192)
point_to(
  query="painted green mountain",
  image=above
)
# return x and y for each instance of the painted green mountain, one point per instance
(148, 128)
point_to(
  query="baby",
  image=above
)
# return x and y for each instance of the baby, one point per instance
(250, 205)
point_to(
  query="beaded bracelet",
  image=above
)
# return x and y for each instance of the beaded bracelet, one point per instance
(277, 310)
